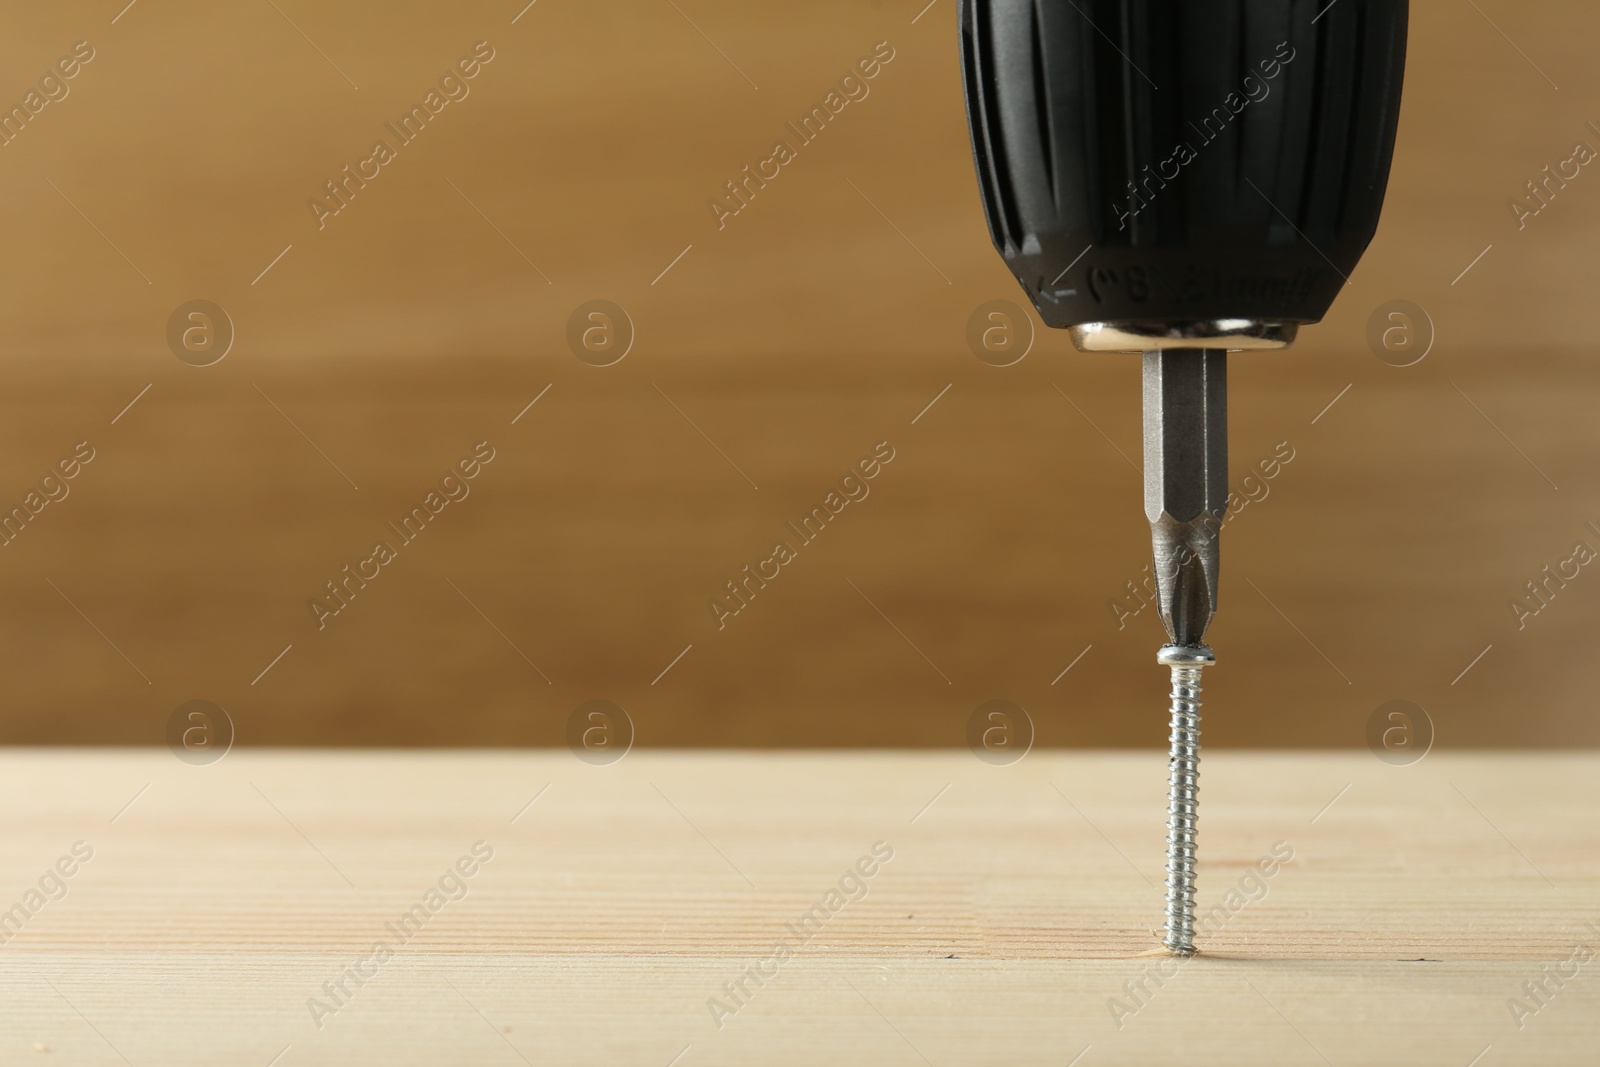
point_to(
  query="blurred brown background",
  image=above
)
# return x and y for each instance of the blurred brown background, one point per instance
(773, 354)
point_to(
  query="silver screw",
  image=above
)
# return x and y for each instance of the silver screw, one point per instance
(1186, 661)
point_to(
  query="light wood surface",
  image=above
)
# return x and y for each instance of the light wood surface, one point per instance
(1017, 903)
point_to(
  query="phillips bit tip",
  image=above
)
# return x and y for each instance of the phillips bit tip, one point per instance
(1185, 483)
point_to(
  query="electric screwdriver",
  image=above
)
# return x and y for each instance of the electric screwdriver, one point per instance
(1182, 179)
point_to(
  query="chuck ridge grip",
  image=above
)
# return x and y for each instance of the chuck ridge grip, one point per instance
(1170, 160)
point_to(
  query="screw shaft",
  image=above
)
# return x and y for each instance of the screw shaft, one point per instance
(1183, 807)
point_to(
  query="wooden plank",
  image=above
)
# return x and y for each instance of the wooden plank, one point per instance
(1011, 924)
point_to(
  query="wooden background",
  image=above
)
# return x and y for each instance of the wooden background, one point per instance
(770, 356)
(1010, 925)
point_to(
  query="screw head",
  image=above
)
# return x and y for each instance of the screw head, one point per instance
(1186, 656)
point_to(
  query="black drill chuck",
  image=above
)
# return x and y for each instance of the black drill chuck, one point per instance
(1159, 161)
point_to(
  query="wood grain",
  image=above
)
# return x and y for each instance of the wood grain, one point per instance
(1017, 903)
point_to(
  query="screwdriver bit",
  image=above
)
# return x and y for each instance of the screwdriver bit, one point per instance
(1185, 482)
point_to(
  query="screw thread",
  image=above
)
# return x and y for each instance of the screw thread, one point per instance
(1183, 808)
